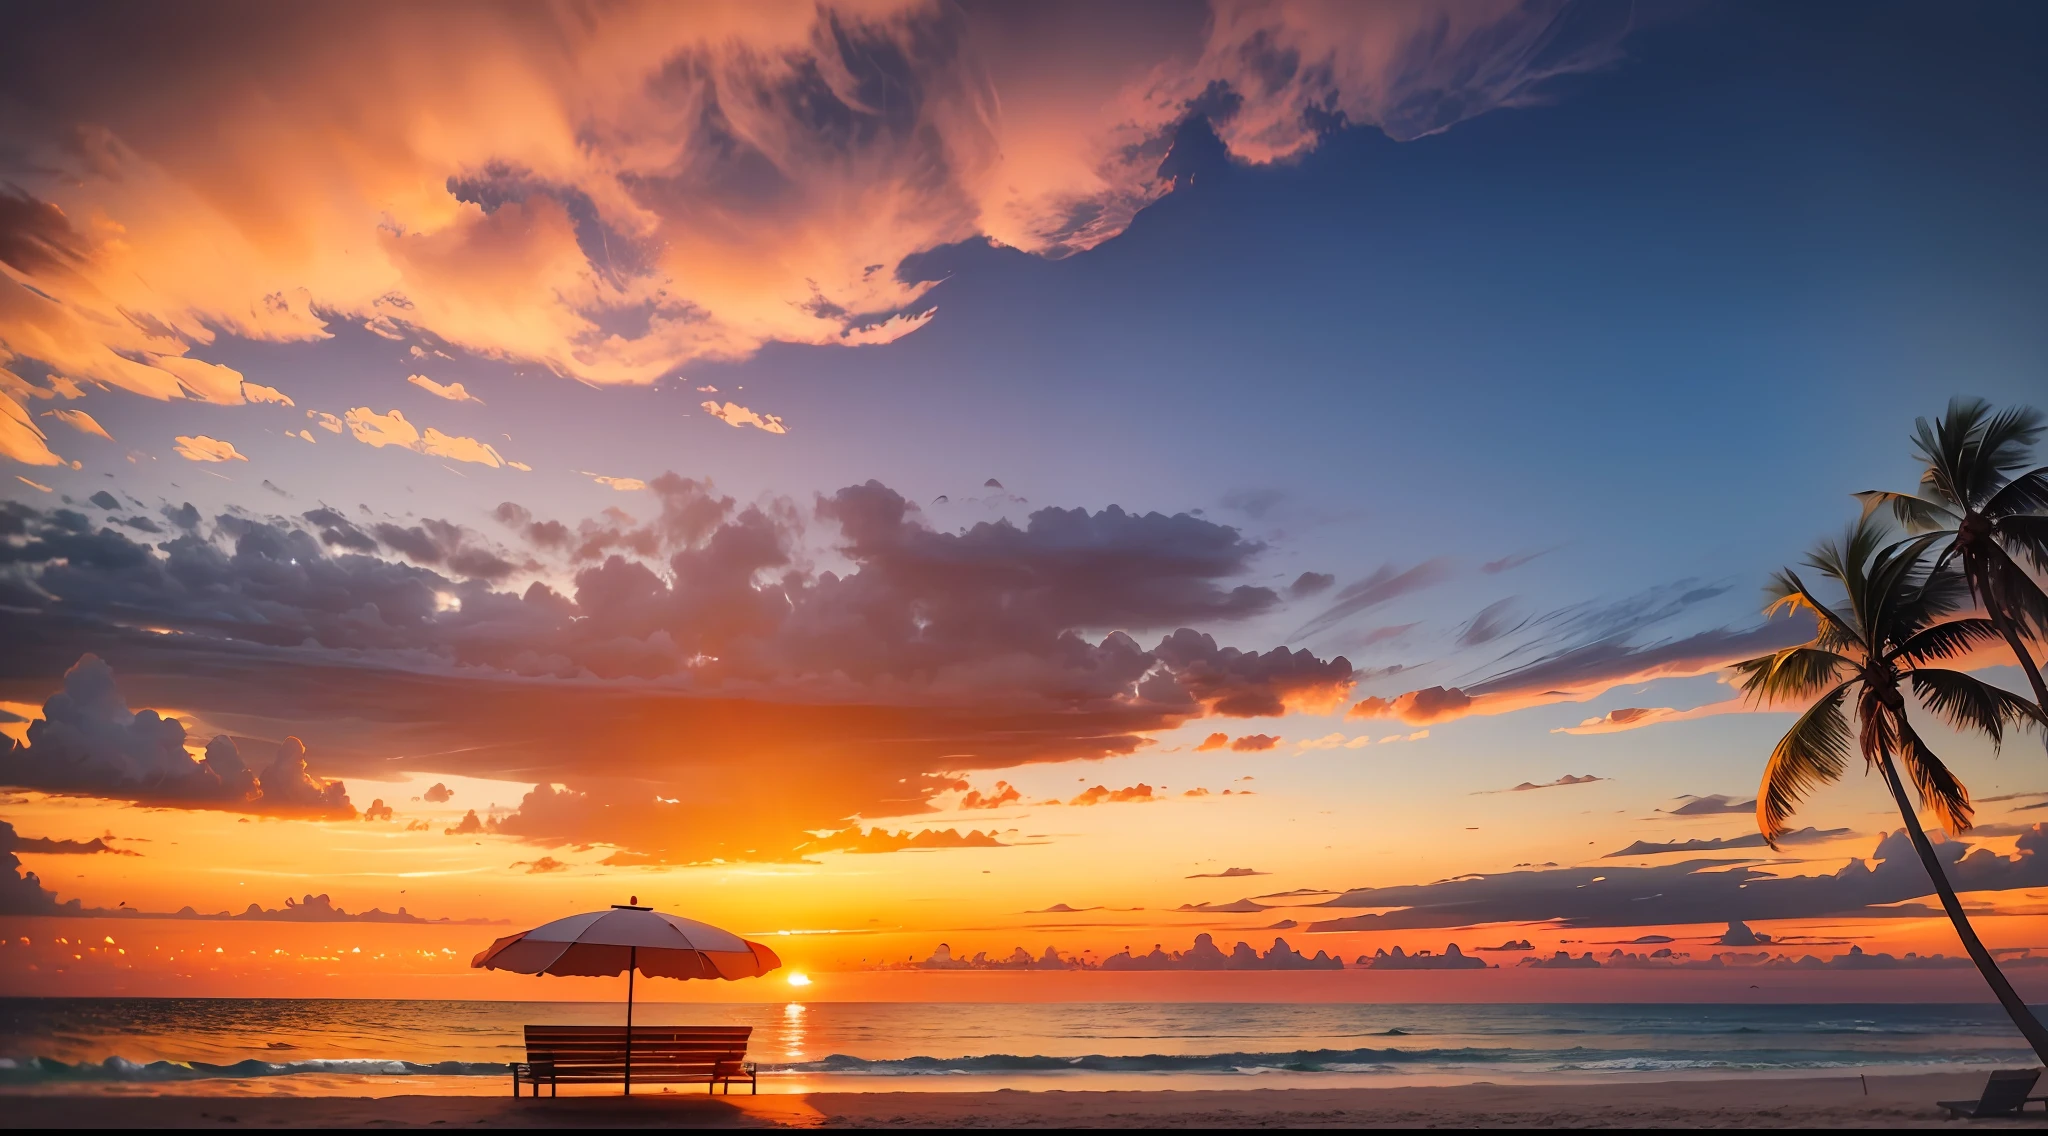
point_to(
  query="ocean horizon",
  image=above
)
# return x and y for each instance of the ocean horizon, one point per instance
(286, 1045)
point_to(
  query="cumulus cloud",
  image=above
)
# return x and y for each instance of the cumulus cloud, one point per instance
(89, 742)
(614, 196)
(924, 651)
(200, 448)
(1003, 794)
(1254, 743)
(453, 392)
(1431, 704)
(1103, 795)
(882, 840)
(1213, 742)
(1206, 955)
(1694, 891)
(733, 414)
(438, 794)
(1228, 874)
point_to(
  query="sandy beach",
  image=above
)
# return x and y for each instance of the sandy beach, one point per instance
(1818, 1102)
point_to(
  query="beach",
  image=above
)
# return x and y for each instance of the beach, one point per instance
(1816, 1102)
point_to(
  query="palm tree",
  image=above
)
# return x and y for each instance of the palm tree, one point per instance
(1973, 495)
(1890, 634)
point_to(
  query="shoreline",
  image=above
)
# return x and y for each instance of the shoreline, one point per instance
(1840, 1100)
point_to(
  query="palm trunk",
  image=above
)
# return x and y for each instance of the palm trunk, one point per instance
(2030, 1026)
(2010, 630)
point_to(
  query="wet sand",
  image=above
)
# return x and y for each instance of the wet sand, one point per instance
(1817, 1102)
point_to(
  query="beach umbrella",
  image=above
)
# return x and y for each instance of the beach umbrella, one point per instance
(629, 938)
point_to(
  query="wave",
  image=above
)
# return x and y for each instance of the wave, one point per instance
(1578, 1059)
(45, 1070)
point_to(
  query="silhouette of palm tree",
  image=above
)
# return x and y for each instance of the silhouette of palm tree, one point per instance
(1973, 494)
(1889, 634)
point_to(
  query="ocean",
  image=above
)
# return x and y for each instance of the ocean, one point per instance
(380, 1047)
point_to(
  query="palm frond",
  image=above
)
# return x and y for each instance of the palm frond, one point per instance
(1814, 752)
(1948, 639)
(2006, 442)
(1914, 514)
(1789, 593)
(1947, 447)
(1940, 792)
(1791, 675)
(1968, 703)
(1903, 593)
(2016, 592)
(2027, 536)
(2024, 495)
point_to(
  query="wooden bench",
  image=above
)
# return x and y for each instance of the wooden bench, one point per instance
(584, 1055)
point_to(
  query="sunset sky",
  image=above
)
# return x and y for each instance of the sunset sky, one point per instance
(904, 473)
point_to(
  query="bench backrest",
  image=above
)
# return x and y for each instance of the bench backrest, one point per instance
(2007, 1091)
(600, 1051)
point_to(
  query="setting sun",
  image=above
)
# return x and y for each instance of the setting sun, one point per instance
(798, 978)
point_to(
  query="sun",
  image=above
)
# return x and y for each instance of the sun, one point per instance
(798, 978)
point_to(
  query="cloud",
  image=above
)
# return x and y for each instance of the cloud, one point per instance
(1385, 584)
(1808, 835)
(1451, 959)
(20, 438)
(392, 429)
(1003, 794)
(80, 421)
(88, 742)
(1713, 804)
(733, 414)
(616, 196)
(922, 651)
(378, 811)
(1254, 743)
(1510, 563)
(453, 392)
(1634, 718)
(1228, 874)
(438, 794)
(880, 840)
(622, 484)
(201, 448)
(1494, 621)
(1579, 652)
(1432, 704)
(326, 421)
(1693, 891)
(541, 866)
(1205, 955)
(471, 825)
(1103, 795)
(11, 841)
(1213, 742)
(257, 392)
(1310, 584)
(1567, 779)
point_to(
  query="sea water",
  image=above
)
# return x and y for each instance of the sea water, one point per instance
(290, 1045)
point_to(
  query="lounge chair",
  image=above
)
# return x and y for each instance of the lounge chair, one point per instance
(559, 1055)
(2005, 1094)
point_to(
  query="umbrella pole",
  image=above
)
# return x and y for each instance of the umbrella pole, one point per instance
(632, 964)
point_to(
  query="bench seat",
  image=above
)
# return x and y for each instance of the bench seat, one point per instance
(590, 1055)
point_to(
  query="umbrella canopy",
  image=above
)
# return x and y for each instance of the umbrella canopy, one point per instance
(656, 944)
